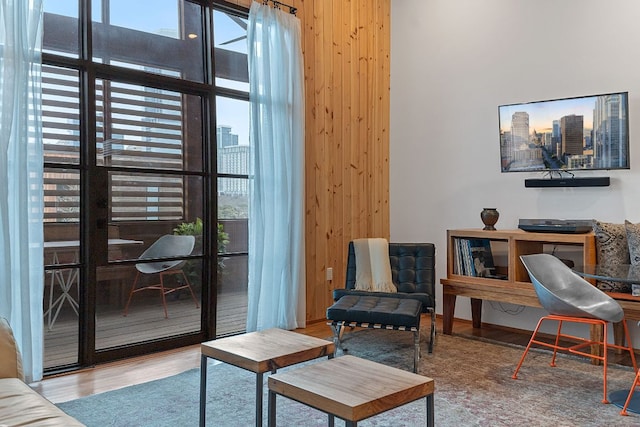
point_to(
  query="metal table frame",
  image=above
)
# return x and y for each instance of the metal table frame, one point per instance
(260, 352)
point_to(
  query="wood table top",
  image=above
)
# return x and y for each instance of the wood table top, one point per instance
(266, 350)
(351, 388)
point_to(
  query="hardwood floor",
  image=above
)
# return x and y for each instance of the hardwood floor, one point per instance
(123, 373)
(114, 375)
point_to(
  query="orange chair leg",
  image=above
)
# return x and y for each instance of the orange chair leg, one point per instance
(605, 359)
(636, 382)
(162, 293)
(555, 348)
(133, 287)
(193, 296)
(526, 350)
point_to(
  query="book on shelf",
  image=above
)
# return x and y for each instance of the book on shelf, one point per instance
(462, 259)
(473, 257)
(460, 264)
(457, 254)
(482, 258)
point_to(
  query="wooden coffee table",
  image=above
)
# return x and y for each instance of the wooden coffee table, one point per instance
(350, 388)
(260, 352)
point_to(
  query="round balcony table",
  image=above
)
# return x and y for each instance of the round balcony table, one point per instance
(72, 276)
(624, 273)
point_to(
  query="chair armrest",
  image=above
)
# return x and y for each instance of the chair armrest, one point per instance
(11, 366)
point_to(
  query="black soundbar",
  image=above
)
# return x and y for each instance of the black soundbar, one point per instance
(599, 181)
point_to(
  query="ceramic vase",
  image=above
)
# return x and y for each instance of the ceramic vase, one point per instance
(489, 217)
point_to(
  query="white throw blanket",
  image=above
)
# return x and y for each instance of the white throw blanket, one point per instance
(373, 269)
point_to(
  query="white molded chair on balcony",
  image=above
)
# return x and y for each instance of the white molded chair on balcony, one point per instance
(167, 246)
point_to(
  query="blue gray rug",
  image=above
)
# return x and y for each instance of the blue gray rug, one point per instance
(472, 378)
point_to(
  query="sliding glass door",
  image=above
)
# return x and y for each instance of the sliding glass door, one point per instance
(132, 233)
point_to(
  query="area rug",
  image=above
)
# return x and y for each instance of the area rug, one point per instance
(473, 387)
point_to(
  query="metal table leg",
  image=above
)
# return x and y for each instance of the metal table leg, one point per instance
(430, 411)
(259, 384)
(203, 389)
(271, 407)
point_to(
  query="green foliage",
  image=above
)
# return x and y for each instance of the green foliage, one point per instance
(195, 229)
(190, 228)
(223, 238)
(232, 212)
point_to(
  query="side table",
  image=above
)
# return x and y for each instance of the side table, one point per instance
(350, 388)
(260, 352)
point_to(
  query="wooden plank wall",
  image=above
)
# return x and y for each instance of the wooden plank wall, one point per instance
(346, 46)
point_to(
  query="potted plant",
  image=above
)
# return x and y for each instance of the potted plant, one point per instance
(195, 229)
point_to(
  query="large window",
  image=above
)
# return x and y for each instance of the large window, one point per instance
(233, 154)
(138, 135)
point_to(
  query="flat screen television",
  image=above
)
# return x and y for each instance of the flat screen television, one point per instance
(580, 133)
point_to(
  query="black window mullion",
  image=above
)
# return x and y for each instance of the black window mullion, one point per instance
(88, 198)
(209, 293)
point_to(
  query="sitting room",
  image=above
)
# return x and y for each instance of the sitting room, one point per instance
(405, 122)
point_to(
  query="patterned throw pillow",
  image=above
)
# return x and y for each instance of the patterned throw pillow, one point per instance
(633, 237)
(611, 249)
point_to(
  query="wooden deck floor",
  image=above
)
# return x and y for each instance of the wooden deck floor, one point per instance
(145, 321)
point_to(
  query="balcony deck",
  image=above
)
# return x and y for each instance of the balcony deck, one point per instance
(145, 321)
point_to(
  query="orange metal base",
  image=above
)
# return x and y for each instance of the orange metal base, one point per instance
(636, 383)
(164, 290)
(581, 344)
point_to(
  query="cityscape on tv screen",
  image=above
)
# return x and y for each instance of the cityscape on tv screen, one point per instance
(588, 132)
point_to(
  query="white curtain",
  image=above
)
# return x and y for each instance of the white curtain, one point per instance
(21, 257)
(276, 213)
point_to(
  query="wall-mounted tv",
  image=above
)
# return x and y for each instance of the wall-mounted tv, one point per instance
(580, 133)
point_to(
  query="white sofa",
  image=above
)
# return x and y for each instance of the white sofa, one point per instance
(19, 404)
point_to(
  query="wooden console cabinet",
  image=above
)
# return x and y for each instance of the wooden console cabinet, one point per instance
(516, 288)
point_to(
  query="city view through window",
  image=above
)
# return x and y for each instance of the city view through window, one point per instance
(566, 134)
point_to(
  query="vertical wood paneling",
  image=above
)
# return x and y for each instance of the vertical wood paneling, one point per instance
(325, 232)
(348, 187)
(382, 70)
(346, 47)
(339, 86)
(316, 176)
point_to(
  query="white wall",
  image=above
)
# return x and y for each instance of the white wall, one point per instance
(452, 63)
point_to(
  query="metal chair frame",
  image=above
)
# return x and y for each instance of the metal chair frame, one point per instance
(164, 269)
(573, 299)
(164, 290)
(420, 281)
(636, 383)
(581, 343)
